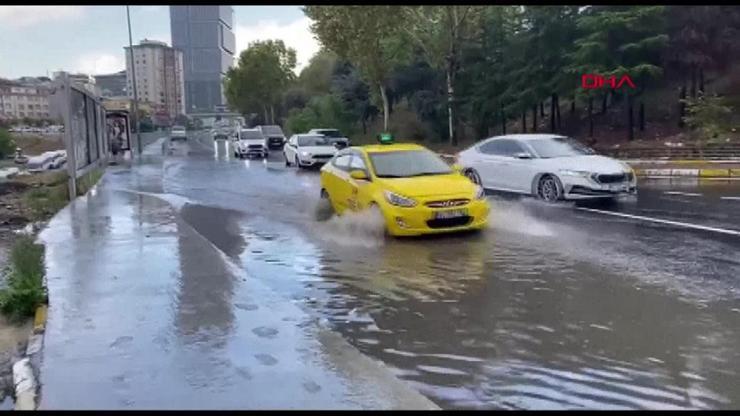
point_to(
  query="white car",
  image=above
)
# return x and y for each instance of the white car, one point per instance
(334, 135)
(305, 150)
(178, 133)
(250, 142)
(549, 167)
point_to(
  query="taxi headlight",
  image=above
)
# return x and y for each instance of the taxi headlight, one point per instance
(480, 193)
(398, 200)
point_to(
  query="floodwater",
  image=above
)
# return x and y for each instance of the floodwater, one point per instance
(551, 307)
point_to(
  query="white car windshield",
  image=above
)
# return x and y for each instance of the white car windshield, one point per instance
(559, 147)
(313, 141)
(408, 163)
(251, 135)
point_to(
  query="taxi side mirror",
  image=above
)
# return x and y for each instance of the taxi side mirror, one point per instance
(358, 175)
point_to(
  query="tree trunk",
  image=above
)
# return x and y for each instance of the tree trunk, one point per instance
(534, 119)
(542, 109)
(590, 116)
(630, 120)
(450, 109)
(503, 120)
(642, 116)
(524, 121)
(557, 110)
(701, 81)
(552, 113)
(267, 119)
(603, 103)
(384, 97)
(573, 106)
(272, 114)
(681, 106)
(693, 81)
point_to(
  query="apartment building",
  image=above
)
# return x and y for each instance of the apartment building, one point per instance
(159, 76)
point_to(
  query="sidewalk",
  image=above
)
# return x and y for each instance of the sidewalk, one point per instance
(145, 313)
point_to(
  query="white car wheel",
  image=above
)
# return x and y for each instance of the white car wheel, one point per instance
(549, 189)
(472, 174)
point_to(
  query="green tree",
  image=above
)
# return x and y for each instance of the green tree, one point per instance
(441, 32)
(367, 36)
(7, 144)
(257, 83)
(316, 77)
(323, 111)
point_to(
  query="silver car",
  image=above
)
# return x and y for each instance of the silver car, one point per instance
(549, 167)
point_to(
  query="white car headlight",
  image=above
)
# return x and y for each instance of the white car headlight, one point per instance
(398, 200)
(305, 154)
(480, 193)
(581, 173)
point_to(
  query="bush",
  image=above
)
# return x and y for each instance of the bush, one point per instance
(709, 115)
(24, 291)
(7, 144)
(325, 111)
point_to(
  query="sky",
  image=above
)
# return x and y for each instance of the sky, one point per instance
(38, 40)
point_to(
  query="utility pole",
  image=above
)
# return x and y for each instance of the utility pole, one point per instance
(133, 82)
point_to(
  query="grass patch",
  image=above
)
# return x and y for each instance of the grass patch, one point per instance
(24, 291)
(87, 181)
(45, 201)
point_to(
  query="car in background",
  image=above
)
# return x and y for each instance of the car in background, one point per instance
(249, 143)
(306, 150)
(414, 190)
(334, 135)
(274, 136)
(178, 133)
(546, 166)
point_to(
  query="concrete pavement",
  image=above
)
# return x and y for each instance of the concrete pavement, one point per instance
(146, 313)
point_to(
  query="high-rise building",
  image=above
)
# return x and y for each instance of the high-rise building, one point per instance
(112, 85)
(205, 35)
(159, 77)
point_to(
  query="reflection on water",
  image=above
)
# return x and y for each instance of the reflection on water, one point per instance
(490, 320)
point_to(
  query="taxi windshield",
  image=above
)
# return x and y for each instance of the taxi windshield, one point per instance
(407, 163)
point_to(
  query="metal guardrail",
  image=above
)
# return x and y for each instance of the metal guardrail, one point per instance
(710, 152)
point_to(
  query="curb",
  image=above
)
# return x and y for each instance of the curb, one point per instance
(24, 376)
(689, 173)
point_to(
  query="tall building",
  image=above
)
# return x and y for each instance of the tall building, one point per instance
(24, 100)
(159, 77)
(205, 35)
(112, 85)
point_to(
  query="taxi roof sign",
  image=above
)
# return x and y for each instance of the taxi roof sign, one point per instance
(385, 138)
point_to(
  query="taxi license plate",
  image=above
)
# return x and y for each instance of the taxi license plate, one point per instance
(456, 213)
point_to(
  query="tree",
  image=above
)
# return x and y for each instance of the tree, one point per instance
(323, 111)
(367, 36)
(441, 32)
(257, 83)
(353, 92)
(7, 144)
(316, 77)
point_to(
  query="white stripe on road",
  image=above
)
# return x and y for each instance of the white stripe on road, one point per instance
(681, 193)
(731, 198)
(660, 221)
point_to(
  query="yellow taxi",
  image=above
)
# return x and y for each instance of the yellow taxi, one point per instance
(413, 188)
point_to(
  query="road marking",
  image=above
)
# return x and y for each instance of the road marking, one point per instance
(681, 193)
(730, 198)
(660, 221)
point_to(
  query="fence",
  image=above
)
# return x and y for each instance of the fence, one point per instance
(85, 129)
(708, 152)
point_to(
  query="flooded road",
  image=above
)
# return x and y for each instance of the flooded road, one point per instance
(552, 307)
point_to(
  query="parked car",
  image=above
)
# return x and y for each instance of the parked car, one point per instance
(546, 166)
(273, 135)
(178, 133)
(250, 142)
(334, 136)
(60, 159)
(305, 150)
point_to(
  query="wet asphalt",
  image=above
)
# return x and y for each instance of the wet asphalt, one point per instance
(552, 307)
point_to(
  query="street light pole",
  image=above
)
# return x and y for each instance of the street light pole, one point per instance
(133, 82)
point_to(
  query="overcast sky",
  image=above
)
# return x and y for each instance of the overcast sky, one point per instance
(35, 40)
